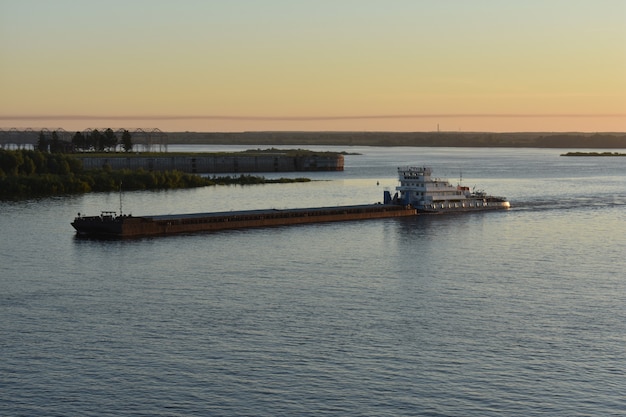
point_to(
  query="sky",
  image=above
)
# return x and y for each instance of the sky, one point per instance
(314, 65)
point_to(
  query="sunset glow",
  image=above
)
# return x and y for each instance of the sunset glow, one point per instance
(323, 65)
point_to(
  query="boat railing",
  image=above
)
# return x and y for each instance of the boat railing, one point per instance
(426, 170)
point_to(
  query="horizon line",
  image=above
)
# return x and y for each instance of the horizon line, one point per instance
(307, 118)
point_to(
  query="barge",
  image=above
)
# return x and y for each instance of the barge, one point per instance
(418, 193)
(111, 225)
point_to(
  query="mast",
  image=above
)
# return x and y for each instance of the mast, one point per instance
(120, 198)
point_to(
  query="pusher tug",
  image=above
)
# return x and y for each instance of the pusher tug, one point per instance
(433, 195)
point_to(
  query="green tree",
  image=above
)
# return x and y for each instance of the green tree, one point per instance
(42, 142)
(10, 161)
(127, 141)
(27, 167)
(55, 143)
(59, 165)
(79, 142)
(110, 140)
(39, 159)
(98, 140)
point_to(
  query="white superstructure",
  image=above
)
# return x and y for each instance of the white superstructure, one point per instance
(418, 189)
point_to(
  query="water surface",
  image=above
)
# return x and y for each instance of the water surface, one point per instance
(520, 312)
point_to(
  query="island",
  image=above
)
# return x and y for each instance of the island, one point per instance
(31, 173)
(593, 154)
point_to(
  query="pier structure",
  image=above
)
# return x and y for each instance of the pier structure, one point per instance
(219, 164)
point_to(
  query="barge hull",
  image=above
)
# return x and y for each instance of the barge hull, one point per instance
(132, 227)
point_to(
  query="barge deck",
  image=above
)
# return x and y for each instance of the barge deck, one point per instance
(110, 225)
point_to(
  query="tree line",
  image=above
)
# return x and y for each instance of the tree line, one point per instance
(94, 141)
(28, 173)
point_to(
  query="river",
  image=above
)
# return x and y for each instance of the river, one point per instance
(519, 312)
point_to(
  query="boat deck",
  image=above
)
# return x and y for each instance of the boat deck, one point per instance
(292, 212)
(136, 226)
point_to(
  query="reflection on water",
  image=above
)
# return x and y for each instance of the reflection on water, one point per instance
(517, 312)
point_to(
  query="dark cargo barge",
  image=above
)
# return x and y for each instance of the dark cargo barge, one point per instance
(110, 225)
(417, 193)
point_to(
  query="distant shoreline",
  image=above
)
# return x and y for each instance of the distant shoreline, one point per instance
(593, 154)
(414, 139)
(156, 139)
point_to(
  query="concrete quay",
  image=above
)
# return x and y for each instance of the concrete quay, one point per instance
(203, 164)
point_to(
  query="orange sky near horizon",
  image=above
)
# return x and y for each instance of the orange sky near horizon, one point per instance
(468, 123)
(314, 66)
